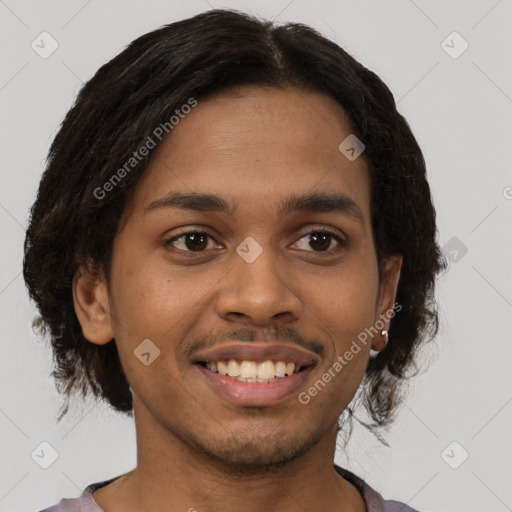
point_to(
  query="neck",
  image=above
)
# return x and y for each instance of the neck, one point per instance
(170, 473)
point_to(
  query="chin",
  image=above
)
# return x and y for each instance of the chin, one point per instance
(245, 454)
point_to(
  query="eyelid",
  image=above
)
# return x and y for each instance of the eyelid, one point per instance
(323, 228)
(199, 230)
(308, 230)
(337, 235)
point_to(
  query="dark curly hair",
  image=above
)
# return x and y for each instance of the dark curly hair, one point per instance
(141, 88)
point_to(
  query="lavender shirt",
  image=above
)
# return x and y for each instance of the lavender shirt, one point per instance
(374, 501)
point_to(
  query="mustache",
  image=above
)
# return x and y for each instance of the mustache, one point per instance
(271, 334)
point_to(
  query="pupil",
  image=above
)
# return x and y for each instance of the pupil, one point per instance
(196, 241)
(323, 238)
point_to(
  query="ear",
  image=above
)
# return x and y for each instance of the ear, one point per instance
(90, 298)
(386, 298)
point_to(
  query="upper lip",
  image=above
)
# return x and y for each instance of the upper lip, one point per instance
(256, 351)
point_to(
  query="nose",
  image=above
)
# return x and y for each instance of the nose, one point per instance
(256, 293)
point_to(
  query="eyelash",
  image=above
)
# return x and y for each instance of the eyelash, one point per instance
(342, 243)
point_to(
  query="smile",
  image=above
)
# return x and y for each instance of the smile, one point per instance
(253, 371)
(255, 374)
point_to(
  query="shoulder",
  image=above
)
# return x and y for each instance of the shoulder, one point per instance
(64, 505)
(397, 506)
(374, 501)
(84, 503)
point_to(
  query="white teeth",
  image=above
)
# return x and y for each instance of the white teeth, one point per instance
(222, 368)
(250, 371)
(266, 370)
(233, 368)
(280, 369)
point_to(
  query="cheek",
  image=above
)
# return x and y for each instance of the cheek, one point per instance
(139, 311)
(150, 304)
(143, 291)
(348, 304)
(334, 387)
(348, 311)
(149, 318)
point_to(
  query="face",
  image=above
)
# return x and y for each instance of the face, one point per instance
(247, 249)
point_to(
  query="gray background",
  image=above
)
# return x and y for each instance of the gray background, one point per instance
(460, 110)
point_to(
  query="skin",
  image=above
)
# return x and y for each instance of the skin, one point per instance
(196, 449)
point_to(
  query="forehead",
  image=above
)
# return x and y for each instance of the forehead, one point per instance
(252, 144)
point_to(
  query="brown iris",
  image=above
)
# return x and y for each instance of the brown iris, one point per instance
(196, 241)
(321, 240)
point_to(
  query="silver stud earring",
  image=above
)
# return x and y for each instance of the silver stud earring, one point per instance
(386, 336)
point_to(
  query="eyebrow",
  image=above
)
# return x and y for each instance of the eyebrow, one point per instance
(322, 202)
(194, 201)
(310, 202)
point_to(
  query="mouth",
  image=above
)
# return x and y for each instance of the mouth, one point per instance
(254, 373)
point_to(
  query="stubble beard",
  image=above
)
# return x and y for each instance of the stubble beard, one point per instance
(250, 454)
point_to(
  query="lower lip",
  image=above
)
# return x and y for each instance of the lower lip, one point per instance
(255, 393)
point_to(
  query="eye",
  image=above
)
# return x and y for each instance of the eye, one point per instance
(192, 241)
(321, 240)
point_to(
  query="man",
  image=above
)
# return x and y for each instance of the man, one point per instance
(233, 217)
